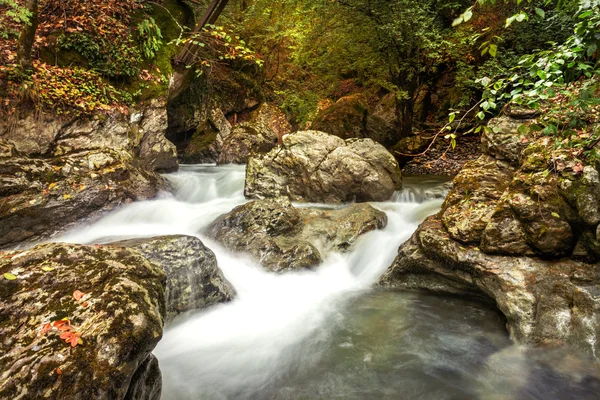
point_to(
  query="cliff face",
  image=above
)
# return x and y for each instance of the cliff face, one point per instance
(55, 172)
(519, 228)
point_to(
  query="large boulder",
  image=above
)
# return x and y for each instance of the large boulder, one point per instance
(351, 117)
(79, 322)
(246, 139)
(194, 281)
(545, 302)
(520, 228)
(282, 237)
(318, 167)
(476, 190)
(40, 197)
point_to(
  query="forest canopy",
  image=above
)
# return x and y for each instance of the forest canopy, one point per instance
(432, 58)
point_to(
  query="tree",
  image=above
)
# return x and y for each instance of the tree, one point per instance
(188, 54)
(398, 45)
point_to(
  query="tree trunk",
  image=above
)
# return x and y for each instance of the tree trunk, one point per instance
(27, 37)
(187, 54)
(405, 112)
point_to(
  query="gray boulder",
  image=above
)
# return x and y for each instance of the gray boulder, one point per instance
(318, 167)
(194, 281)
(282, 237)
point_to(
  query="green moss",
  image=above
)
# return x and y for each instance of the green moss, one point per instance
(170, 16)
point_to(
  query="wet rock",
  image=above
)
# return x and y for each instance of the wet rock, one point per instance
(338, 229)
(41, 197)
(246, 139)
(470, 204)
(120, 319)
(146, 383)
(351, 117)
(314, 166)
(545, 301)
(194, 281)
(282, 237)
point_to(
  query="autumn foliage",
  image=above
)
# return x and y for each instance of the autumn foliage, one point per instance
(101, 34)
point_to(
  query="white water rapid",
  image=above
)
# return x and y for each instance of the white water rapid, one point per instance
(318, 334)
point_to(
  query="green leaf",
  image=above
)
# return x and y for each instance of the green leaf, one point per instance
(493, 50)
(451, 117)
(592, 49)
(540, 12)
(467, 15)
(457, 21)
(10, 277)
(555, 215)
(480, 115)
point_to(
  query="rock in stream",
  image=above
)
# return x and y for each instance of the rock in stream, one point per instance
(313, 166)
(282, 237)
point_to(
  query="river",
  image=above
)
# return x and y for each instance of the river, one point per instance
(327, 333)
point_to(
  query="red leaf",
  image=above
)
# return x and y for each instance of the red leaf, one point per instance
(58, 371)
(45, 328)
(77, 295)
(66, 335)
(61, 323)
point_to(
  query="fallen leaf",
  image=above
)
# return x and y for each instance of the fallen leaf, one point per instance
(84, 304)
(45, 328)
(9, 276)
(48, 269)
(77, 295)
(58, 371)
(66, 196)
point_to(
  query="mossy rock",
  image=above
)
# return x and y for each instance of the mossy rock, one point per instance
(119, 320)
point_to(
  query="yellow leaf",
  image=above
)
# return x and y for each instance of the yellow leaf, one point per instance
(52, 186)
(66, 196)
(9, 276)
(47, 269)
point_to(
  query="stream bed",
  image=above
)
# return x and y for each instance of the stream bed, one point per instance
(327, 333)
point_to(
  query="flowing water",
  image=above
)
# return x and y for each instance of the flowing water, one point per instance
(326, 334)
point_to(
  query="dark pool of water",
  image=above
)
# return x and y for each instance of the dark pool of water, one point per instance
(393, 345)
